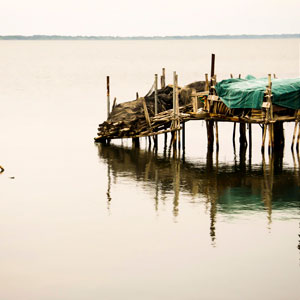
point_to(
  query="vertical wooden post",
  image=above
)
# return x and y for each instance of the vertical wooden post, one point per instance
(217, 137)
(149, 140)
(137, 95)
(108, 96)
(243, 139)
(264, 138)
(177, 114)
(194, 100)
(163, 79)
(210, 135)
(155, 95)
(278, 136)
(240, 76)
(136, 142)
(166, 139)
(206, 82)
(114, 103)
(295, 131)
(212, 70)
(174, 111)
(233, 135)
(250, 141)
(206, 106)
(231, 76)
(174, 94)
(298, 138)
(183, 137)
(155, 106)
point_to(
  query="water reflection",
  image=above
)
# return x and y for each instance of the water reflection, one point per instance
(226, 189)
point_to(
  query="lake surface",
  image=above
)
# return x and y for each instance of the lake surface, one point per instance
(86, 221)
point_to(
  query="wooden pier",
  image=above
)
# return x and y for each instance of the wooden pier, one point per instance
(166, 110)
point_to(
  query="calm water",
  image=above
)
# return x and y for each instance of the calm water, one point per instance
(82, 221)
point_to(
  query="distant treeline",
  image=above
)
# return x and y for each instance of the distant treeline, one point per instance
(190, 37)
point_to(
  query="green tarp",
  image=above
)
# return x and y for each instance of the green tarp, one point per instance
(249, 92)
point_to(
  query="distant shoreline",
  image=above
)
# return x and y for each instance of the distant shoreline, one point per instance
(110, 38)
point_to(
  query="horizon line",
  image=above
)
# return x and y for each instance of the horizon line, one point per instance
(141, 37)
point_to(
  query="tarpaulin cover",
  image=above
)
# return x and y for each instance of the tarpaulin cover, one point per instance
(249, 92)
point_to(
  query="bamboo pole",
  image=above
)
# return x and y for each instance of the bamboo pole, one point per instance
(163, 79)
(210, 135)
(298, 139)
(146, 112)
(212, 70)
(264, 138)
(206, 82)
(233, 135)
(155, 106)
(108, 96)
(217, 137)
(243, 139)
(295, 131)
(183, 137)
(114, 103)
(177, 114)
(156, 95)
(270, 138)
(174, 94)
(174, 137)
(250, 141)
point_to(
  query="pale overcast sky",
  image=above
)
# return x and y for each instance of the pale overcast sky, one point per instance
(154, 17)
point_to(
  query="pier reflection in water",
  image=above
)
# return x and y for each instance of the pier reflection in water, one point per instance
(225, 189)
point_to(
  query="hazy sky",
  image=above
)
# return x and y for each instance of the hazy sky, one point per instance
(153, 17)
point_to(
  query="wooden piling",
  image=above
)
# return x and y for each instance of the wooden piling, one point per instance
(278, 132)
(155, 95)
(295, 131)
(114, 103)
(108, 96)
(217, 137)
(183, 137)
(210, 135)
(174, 94)
(174, 135)
(155, 106)
(243, 138)
(250, 141)
(212, 70)
(298, 138)
(165, 140)
(206, 82)
(146, 112)
(270, 138)
(233, 134)
(163, 79)
(136, 142)
(264, 138)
